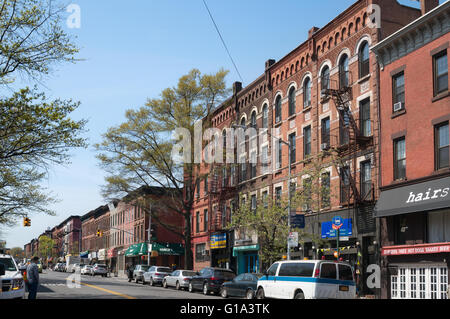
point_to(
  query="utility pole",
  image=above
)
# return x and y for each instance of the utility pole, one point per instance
(149, 250)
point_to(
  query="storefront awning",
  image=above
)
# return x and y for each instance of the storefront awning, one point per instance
(136, 250)
(424, 196)
(84, 254)
(168, 249)
(237, 249)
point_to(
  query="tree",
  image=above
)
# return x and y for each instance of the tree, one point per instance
(17, 253)
(34, 133)
(32, 39)
(139, 152)
(45, 247)
(268, 221)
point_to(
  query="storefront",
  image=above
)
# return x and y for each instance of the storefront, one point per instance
(247, 258)
(102, 256)
(161, 254)
(415, 240)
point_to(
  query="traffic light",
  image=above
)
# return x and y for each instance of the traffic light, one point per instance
(99, 233)
(26, 222)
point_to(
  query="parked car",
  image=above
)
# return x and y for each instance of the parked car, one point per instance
(155, 275)
(210, 279)
(138, 272)
(178, 279)
(11, 279)
(87, 270)
(100, 269)
(59, 267)
(244, 285)
(307, 279)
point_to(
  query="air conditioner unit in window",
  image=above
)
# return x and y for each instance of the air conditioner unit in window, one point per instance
(324, 146)
(398, 106)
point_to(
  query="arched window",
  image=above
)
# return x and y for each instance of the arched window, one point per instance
(243, 123)
(363, 56)
(292, 101)
(343, 71)
(253, 120)
(307, 92)
(325, 78)
(278, 109)
(265, 113)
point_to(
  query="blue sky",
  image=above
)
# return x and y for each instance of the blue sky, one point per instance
(135, 49)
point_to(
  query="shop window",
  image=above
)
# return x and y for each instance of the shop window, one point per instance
(439, 227)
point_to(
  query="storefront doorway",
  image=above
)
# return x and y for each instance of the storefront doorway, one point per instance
(251, 262)
(424, 282)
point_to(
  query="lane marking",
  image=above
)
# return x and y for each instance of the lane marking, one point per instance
(106, 290)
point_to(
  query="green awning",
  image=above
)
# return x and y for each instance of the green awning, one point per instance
(136, 250)
(168, 249)
(237, 249)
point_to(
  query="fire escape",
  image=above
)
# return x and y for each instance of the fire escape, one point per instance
(348, 145)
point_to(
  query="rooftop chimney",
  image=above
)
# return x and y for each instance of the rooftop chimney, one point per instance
(428, 5)
(312, 31)
(269, 63)
(237, 87)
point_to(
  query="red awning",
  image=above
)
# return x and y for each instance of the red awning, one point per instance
(437, 248)
(112, 253)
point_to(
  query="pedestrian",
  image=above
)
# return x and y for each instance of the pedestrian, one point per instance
(33, 278)
(174, 267)
(130, 272)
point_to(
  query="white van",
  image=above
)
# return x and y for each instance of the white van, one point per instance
(307, 279)
(11, 280)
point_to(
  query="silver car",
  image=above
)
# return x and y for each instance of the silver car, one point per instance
(156, 274)
(87, 270)
(138, 272)
(178, 279)
(99, 269)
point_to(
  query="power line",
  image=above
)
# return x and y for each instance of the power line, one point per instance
(223, 41)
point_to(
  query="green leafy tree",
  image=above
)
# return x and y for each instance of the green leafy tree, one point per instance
(32, 39)
(45, 247)
(34, 133)
(139, 151)
(17, 253)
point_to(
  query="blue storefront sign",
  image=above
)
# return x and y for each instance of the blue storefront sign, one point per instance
(218, 241)
(329, 232)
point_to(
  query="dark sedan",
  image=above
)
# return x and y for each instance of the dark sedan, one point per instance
(243, 285)
(210, 279)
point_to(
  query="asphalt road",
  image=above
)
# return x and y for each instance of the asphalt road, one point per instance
(54, 285)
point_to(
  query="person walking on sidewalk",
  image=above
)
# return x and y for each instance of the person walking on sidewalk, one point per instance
(33, 278)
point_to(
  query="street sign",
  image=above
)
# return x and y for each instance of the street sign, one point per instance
(298, 221)
(345, 231)
(293, 239)
(337, 222)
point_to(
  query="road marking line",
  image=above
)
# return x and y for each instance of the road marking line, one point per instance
(108, 291)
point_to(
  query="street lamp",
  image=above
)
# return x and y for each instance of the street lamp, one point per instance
(289, 183)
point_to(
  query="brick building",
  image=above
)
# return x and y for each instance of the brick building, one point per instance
(93, 245)
(129, 224)
(415, 181)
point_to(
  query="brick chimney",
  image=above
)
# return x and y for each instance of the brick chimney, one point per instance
(312, 31)
(237, 87)
(428, 5)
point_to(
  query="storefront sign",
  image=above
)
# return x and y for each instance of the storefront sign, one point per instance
(112, 253)
(345, 230)
(218, 241)
(425, 196)
(102, 254)
(416, 249)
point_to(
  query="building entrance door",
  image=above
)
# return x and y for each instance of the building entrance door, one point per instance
(252, 262)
